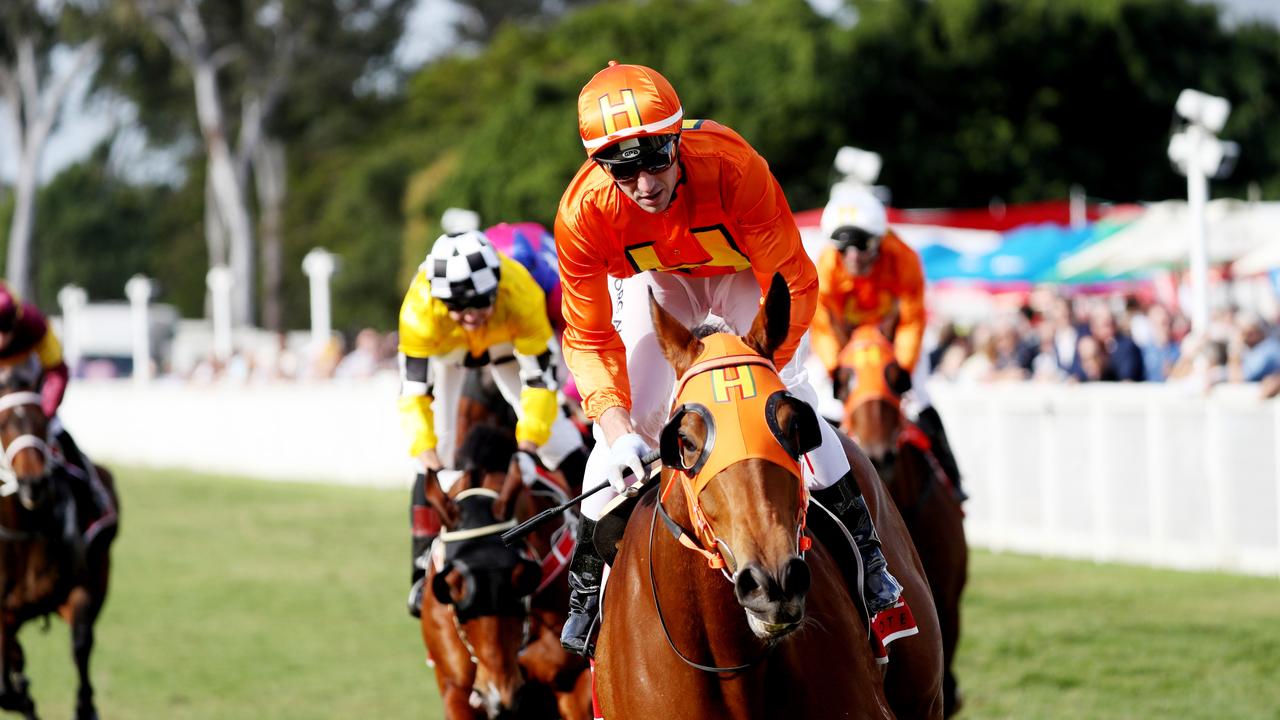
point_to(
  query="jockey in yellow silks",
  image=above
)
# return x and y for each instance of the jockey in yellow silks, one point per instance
(470, 306)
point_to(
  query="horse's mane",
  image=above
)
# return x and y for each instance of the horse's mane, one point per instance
(487, 448)
(708, 329)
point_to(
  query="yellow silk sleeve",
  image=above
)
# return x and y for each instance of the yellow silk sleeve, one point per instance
(49, 350)
(419, 422)
(538, 408)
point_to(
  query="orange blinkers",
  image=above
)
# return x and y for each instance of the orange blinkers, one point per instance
(737, 393)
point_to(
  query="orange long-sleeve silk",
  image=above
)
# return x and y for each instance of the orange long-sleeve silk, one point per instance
(897, 277)
(728, 215)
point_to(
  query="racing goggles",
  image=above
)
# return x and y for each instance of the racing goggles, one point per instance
(653, 157)
(471, 301)
(855, 238)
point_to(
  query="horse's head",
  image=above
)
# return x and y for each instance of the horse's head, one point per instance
(486, 583)
(24, 432)
(734, 443)
(872, 411)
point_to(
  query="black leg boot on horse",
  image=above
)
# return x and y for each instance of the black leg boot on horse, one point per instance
(844, 498)
(425, 523)
(931, 423)
(79, 472)
(586, 572)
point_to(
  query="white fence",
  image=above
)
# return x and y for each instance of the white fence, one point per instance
(1135, 473)
(326, 431)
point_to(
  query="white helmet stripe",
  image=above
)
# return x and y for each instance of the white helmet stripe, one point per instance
(647, 128)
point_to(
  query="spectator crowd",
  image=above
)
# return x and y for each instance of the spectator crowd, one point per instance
(1058, 339)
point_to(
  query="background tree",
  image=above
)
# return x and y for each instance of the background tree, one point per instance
(33, 96)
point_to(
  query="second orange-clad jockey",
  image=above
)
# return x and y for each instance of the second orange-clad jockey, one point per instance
(689, 211)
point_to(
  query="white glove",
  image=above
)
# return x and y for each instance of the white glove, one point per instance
(528, 468)
(626, 452)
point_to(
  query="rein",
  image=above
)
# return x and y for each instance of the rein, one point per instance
(653, 587)
(448, 536)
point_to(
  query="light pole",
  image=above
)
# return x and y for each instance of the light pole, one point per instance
(73, 298)
(1198, 153)
(319, 265)
(138, 290)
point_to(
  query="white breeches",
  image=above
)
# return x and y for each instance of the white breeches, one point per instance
(731, 300)
(449, 374)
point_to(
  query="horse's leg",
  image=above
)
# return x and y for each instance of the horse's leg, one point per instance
(16, 695)
(913, 681)
(81, 611)
(455, 673)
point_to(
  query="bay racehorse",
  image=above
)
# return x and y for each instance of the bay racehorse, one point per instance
(48, 563)
(925, 497)
(491, 622)
(771, 629)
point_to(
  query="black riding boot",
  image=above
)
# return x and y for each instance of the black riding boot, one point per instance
(418, 578)
(424, 525)
(931, 423)
(79, 471)
(880, 588)
(585, 572)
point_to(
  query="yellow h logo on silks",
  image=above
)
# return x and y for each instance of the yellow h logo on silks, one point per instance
(721, 383)
(628, 107)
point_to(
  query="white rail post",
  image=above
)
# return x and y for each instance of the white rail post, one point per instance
(73, 298)
(220, 282)
(319, 265)
(138, 290)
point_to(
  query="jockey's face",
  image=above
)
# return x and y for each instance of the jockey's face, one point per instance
(471, 318)
(859, 262)
(651, 191)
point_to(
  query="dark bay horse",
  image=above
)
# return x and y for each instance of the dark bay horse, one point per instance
(925, 498)
(773, 631)
(492, 621)
(46, 563)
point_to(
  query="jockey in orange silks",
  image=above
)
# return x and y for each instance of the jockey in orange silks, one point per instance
(869, 276)
(689, 211)
(469, 306)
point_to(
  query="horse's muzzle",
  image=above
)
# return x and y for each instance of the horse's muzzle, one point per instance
(774, 601)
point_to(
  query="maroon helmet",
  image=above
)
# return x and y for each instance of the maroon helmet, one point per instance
(10, 308)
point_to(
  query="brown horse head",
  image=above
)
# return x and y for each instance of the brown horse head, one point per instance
(733, 444)
(24, 432)
(486, 583)
(872, 411)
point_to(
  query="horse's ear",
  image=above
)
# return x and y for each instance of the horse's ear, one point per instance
(678, 344)
(773, 319)
(440, 500)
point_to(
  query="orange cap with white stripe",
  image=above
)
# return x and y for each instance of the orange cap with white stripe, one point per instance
(626, 101)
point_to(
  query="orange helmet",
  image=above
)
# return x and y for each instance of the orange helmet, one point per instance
(623, 101)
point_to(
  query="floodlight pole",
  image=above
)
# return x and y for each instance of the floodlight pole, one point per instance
(1197, 199)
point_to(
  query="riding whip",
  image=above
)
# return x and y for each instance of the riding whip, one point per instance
(516, 533)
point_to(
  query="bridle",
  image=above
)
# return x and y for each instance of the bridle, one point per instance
(9, 485)
(9, 478)
(759, 388)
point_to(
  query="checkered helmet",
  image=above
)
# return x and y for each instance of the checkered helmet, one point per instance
(463, 269)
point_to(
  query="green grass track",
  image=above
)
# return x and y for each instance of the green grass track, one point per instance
(243, 599)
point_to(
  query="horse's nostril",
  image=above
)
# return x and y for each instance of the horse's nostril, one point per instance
(749, 581)
(795, 577)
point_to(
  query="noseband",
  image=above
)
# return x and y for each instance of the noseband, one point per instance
(9, 478)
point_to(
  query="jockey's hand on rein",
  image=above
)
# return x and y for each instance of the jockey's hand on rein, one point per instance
(897, 377)
(626, 453)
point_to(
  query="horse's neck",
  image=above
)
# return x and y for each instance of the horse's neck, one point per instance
(710, 616)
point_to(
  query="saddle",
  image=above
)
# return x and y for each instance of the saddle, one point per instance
(94, 509)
